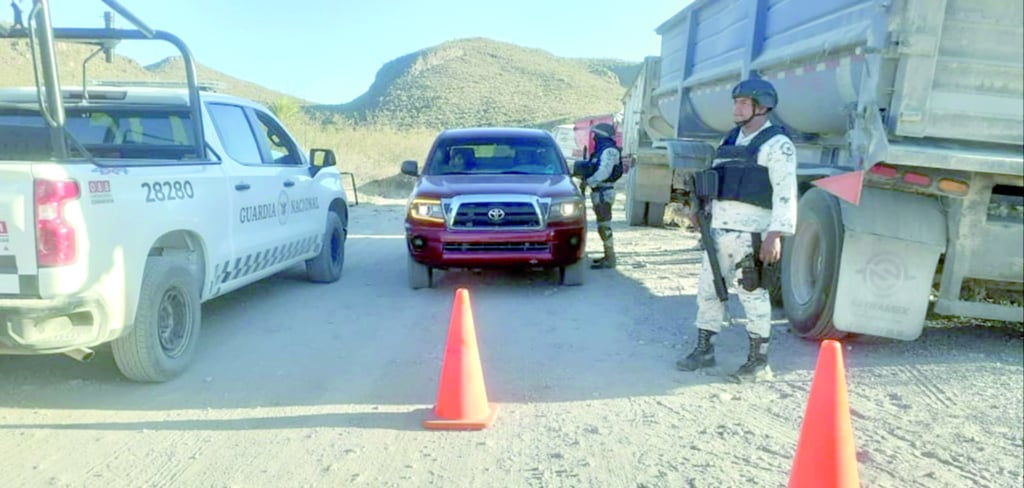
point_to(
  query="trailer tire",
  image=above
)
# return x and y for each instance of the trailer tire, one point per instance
(810, 266)
(655, 214)
(636, 210)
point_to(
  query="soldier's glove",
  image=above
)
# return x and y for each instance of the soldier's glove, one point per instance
(750, 278)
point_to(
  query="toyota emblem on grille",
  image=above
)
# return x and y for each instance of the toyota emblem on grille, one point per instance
(495, 214)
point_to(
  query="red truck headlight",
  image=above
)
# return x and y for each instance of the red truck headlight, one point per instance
(565, 209)
(428, 210)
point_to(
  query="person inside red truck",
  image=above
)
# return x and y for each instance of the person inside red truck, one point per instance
(462, 161)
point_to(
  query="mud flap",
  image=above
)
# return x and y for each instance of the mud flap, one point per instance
(883, 287)
(891, 248)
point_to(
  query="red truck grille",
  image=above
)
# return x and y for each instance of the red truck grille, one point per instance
(496, 247)
(500, 215)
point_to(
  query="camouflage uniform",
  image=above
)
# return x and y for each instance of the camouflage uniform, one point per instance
(602, 190)
(733, 223)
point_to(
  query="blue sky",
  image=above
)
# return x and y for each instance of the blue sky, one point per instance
(329, 51)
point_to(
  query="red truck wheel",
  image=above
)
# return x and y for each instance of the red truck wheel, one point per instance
(420, 275)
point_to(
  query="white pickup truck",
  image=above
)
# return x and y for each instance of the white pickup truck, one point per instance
(119, 216)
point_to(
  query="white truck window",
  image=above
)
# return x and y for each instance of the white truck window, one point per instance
(235, 133)
(109, 132)
(282, 149)
(23, 137)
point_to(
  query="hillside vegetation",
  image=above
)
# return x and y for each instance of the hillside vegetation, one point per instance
(16, 63)
(484, 82)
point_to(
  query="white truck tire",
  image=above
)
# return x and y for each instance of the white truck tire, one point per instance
(163, 338)
(327, 266)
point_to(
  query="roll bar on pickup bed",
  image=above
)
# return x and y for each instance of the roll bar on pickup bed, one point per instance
(42, 36)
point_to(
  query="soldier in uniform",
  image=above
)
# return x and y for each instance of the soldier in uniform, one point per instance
(600, 173)
(747, 223)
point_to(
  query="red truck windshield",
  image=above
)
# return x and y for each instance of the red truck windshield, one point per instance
(512, 156)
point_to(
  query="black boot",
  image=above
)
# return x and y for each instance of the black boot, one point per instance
(756, 368)
(702, 356)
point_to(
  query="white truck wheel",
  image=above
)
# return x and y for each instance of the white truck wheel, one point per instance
(163, 338)
(326, 267)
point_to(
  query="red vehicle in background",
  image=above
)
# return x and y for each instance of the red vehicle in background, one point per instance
(494, 197)
(585, 143)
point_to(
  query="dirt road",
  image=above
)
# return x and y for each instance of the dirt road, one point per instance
(297, 384)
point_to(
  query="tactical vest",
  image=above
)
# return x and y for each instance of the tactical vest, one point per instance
(740, 178)
(595, 162)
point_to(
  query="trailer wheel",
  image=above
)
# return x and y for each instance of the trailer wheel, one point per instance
(636, 210)
(655, 214)
(810, 266)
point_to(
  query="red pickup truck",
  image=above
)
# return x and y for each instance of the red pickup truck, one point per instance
(494, 197)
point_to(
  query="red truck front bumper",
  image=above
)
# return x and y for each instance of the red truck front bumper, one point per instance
(438, 247)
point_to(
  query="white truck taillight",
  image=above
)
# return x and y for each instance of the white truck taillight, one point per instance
(55, 238)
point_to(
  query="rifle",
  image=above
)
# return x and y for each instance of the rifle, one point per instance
(704, 187)
(694, 159)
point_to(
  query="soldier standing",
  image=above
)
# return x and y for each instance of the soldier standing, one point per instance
(601, 172)
(747, 223)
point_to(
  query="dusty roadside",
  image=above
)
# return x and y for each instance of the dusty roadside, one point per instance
(303, 385)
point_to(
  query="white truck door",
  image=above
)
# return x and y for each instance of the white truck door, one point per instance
(255, 201)
(303, 221)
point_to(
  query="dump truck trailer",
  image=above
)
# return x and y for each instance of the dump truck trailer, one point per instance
(907, 117)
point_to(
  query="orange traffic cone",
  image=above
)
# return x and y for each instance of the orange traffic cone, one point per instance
(825, 456)
(461, 395)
